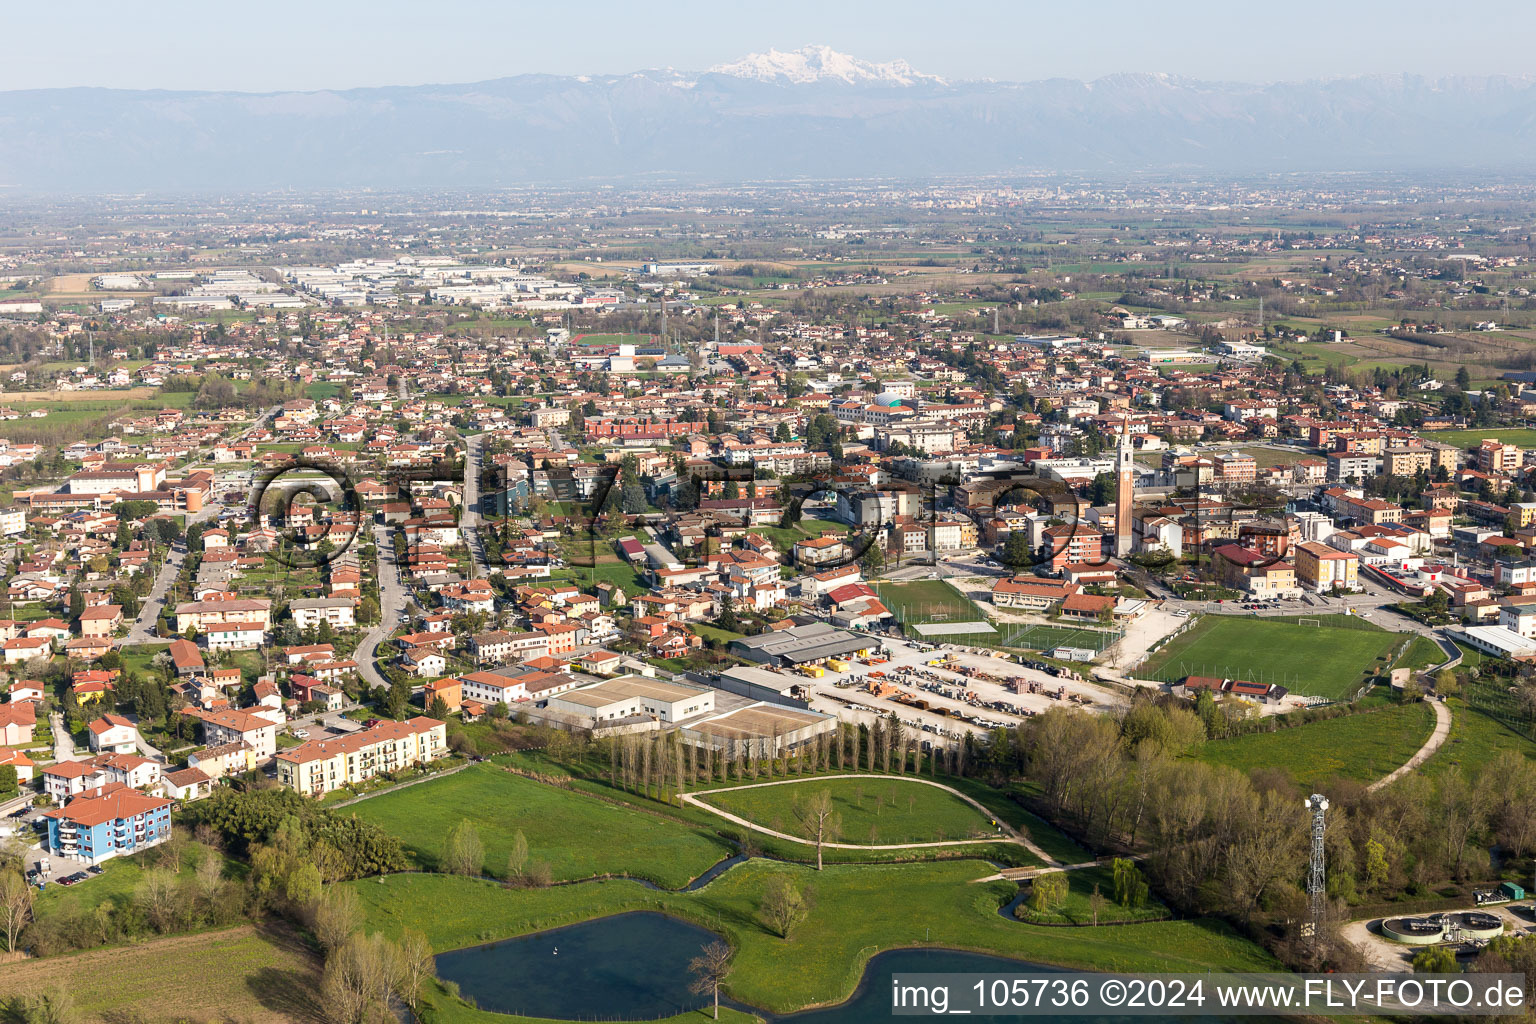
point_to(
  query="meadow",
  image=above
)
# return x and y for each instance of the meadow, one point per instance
(261, 976)
(856, 911)
(579, 836)
(872, 811)
(1324, 661)
(1362, 747)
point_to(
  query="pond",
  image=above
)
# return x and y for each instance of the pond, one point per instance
(635, 967)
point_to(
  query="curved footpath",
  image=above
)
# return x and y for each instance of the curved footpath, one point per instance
(1436, 739)
(1012, 835)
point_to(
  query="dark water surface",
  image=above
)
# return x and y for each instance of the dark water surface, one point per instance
(635, 967)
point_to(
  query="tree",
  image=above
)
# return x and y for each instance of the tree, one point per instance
(337, 915)
(359, 977)
(873, 559)
(819, 820)
(1436, 959)
(15, 906)
(1048, 892)
(1096, 902)
(783, 905)
(1016, 550)
(1130, 887)
(727, 619)
(9, 782)
(709, 970)
(416, 966)
(53, 1006)
(438, 709)
(462, 850)
(517, 860)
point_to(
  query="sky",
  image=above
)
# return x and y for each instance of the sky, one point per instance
(336, 44)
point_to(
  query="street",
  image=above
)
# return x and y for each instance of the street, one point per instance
(392, 598)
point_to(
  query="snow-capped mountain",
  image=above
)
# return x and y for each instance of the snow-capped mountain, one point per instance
(822, 64)
(813, 113)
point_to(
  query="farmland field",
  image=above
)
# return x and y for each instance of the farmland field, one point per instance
(1362, 747)
(577, 835)
(245, 974)
(873, 811)
(1324, 661)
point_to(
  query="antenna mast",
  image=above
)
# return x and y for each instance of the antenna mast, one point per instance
(1317, 888)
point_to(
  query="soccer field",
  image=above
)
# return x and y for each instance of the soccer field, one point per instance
(1323, 661)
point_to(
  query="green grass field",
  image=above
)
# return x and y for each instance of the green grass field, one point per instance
(1522, 436)
(1361, 747)
(239, 974)
(1323, 661)
(579, 836)
(927, 601)
(872, 811)
(1422, 653)
(857, 910)
(1078, 908)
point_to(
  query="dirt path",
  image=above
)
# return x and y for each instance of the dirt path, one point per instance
(1436, 739)
(1011, 835)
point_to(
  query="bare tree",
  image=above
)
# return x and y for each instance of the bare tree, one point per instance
(709, 970)
(359, 977)
(209, 876)
(337, 915)
(783, 905)
(15, 906)
(416, 966)
(156, 895)
(819, 820)
(517, 860)
(463, 853)
(1096, 902)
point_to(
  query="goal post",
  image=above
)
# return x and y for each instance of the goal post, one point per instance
(1310, 622)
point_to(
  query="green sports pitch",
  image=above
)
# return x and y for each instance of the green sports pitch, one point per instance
(1316, 660)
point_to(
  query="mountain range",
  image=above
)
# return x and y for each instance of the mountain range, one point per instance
(807, 114)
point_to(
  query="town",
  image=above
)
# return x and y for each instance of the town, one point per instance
(370, 575)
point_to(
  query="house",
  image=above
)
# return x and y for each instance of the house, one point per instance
(24, 648)
(114, 734)
(422, 663)
(451, 690)
(200, 615)
(64, 779)
(25, 767)
(338, 612)
(186, 784)
(320, 766)
(112, 821)
(17, 720)
(186, 658)
(232, 726)
(233, 636)
(101, 621)
(1030, 593)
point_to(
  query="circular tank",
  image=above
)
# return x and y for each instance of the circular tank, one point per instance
(1416, 931)
(1475, 924)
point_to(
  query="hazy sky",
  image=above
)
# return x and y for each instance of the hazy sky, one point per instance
(328, 44)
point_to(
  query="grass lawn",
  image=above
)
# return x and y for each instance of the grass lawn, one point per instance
(857, 911)
(1362, 747)
(1078, 909)
(1476, 737)
(438, 1007)
(1422, 653)
(1319, 660)
(578, 835)
(1522, 436)
(116, 883)
(927, 601)
(873, 811)
(239, 974)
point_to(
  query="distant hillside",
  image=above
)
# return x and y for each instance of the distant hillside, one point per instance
(813, 113)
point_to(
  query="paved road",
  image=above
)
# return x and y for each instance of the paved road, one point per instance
(469, 521)
(63, 743)
(392, 597)
(1435, 741)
